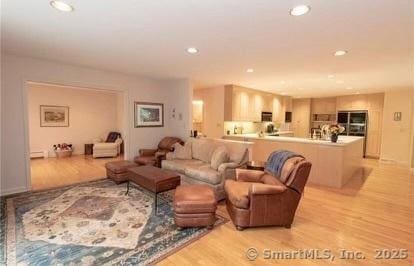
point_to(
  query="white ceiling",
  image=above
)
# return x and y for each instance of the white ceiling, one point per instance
(149, 37)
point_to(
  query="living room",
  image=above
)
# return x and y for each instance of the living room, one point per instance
(252, 132)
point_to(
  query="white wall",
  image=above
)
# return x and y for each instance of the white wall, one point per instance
(213, 115)
(16, 71)
(92, 114)
(397, 135)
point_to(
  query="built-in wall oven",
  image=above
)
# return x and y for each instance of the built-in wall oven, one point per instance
(355, 124)
(267, 116)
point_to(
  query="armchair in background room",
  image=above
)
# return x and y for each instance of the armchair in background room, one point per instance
(110, 148)
(155, 156)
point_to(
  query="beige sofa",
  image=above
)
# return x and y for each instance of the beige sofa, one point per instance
(198, 170)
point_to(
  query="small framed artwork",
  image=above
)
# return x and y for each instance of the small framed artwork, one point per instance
(54, 116)
(149, 114)
(397, 116)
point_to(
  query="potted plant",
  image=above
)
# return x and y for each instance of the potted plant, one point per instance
(333, 131)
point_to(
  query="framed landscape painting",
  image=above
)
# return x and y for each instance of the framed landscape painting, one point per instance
(54, 116)
(149, 114)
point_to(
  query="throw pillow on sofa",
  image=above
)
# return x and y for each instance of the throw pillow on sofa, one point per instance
(220, 156)
(182, 152)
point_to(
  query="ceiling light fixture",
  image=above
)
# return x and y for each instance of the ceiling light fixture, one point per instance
(283, 93)
(331, 76)
(61, 6)
(340, 82)
(340, 53)
(250, 70)
(349, 88)
(299, 10)
(192, 50)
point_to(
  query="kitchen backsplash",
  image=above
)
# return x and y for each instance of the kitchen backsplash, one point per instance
(252, 127)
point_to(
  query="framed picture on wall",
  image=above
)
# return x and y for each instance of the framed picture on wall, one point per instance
(54, 116)
(149, 114)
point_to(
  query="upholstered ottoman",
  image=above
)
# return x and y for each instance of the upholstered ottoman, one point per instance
(195, 206)
(117, 170)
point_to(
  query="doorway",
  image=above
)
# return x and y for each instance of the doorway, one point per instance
(64, 123)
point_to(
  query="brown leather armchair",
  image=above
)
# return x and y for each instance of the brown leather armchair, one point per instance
(155, 156)
(256, 198)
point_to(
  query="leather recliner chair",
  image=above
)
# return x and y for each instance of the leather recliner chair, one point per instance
(155, 156)
(256, 198)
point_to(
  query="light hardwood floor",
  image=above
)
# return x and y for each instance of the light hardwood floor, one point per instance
(374, 212)
(52, 172)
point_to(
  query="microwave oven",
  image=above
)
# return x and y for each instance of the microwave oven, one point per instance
(267, 116)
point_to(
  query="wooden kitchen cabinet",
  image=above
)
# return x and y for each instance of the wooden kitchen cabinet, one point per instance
(243, 104)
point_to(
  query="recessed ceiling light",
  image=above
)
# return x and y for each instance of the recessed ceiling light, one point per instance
(349, 88)
(283, 82)
(301, 89)
(283, 93)
(299, 10)
(331, 76)
(339, 82)
(250, 70)
(192, 50)
(61, 6)
(340, 53)
(357, 92)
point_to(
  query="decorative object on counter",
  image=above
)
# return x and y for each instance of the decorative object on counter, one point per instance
(149, 114)
(228, 132)
(333, 131)
(256, 165)
(397, 116)
(261, 134)
(63, 150)
(54, 116)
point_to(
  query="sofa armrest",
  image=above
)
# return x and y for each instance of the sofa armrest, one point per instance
(105, 145)
(263, 189)
(246, 175)
(147, 152)
(228, 170)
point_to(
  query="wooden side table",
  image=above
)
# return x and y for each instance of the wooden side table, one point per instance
(89, 149)
(256, 165)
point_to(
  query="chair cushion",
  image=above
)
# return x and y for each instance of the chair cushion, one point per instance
(119, 167)
(180, 165)
(182, 152)
(238, 193)
(145, 160)
(219, 156)
(204, 173)
(202, 149)
(194, 199)
(288, 168)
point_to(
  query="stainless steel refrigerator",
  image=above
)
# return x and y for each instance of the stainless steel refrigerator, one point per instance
(355, 124)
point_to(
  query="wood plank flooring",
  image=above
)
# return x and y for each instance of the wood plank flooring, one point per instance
(53, 172)
(374, 212)
(369, 213)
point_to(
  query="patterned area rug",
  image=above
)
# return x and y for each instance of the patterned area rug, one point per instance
(90, 224)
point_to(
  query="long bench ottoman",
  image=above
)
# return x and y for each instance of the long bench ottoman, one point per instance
(118, 170)
(194, 206)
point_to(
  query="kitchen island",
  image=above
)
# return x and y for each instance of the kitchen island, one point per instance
(333, 164)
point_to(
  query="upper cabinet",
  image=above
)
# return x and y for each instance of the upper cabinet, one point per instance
(243, 104)
(324, 106)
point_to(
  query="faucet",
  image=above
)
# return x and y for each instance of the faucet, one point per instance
(235, 130)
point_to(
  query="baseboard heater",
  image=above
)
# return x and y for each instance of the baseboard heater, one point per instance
(39, 154)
